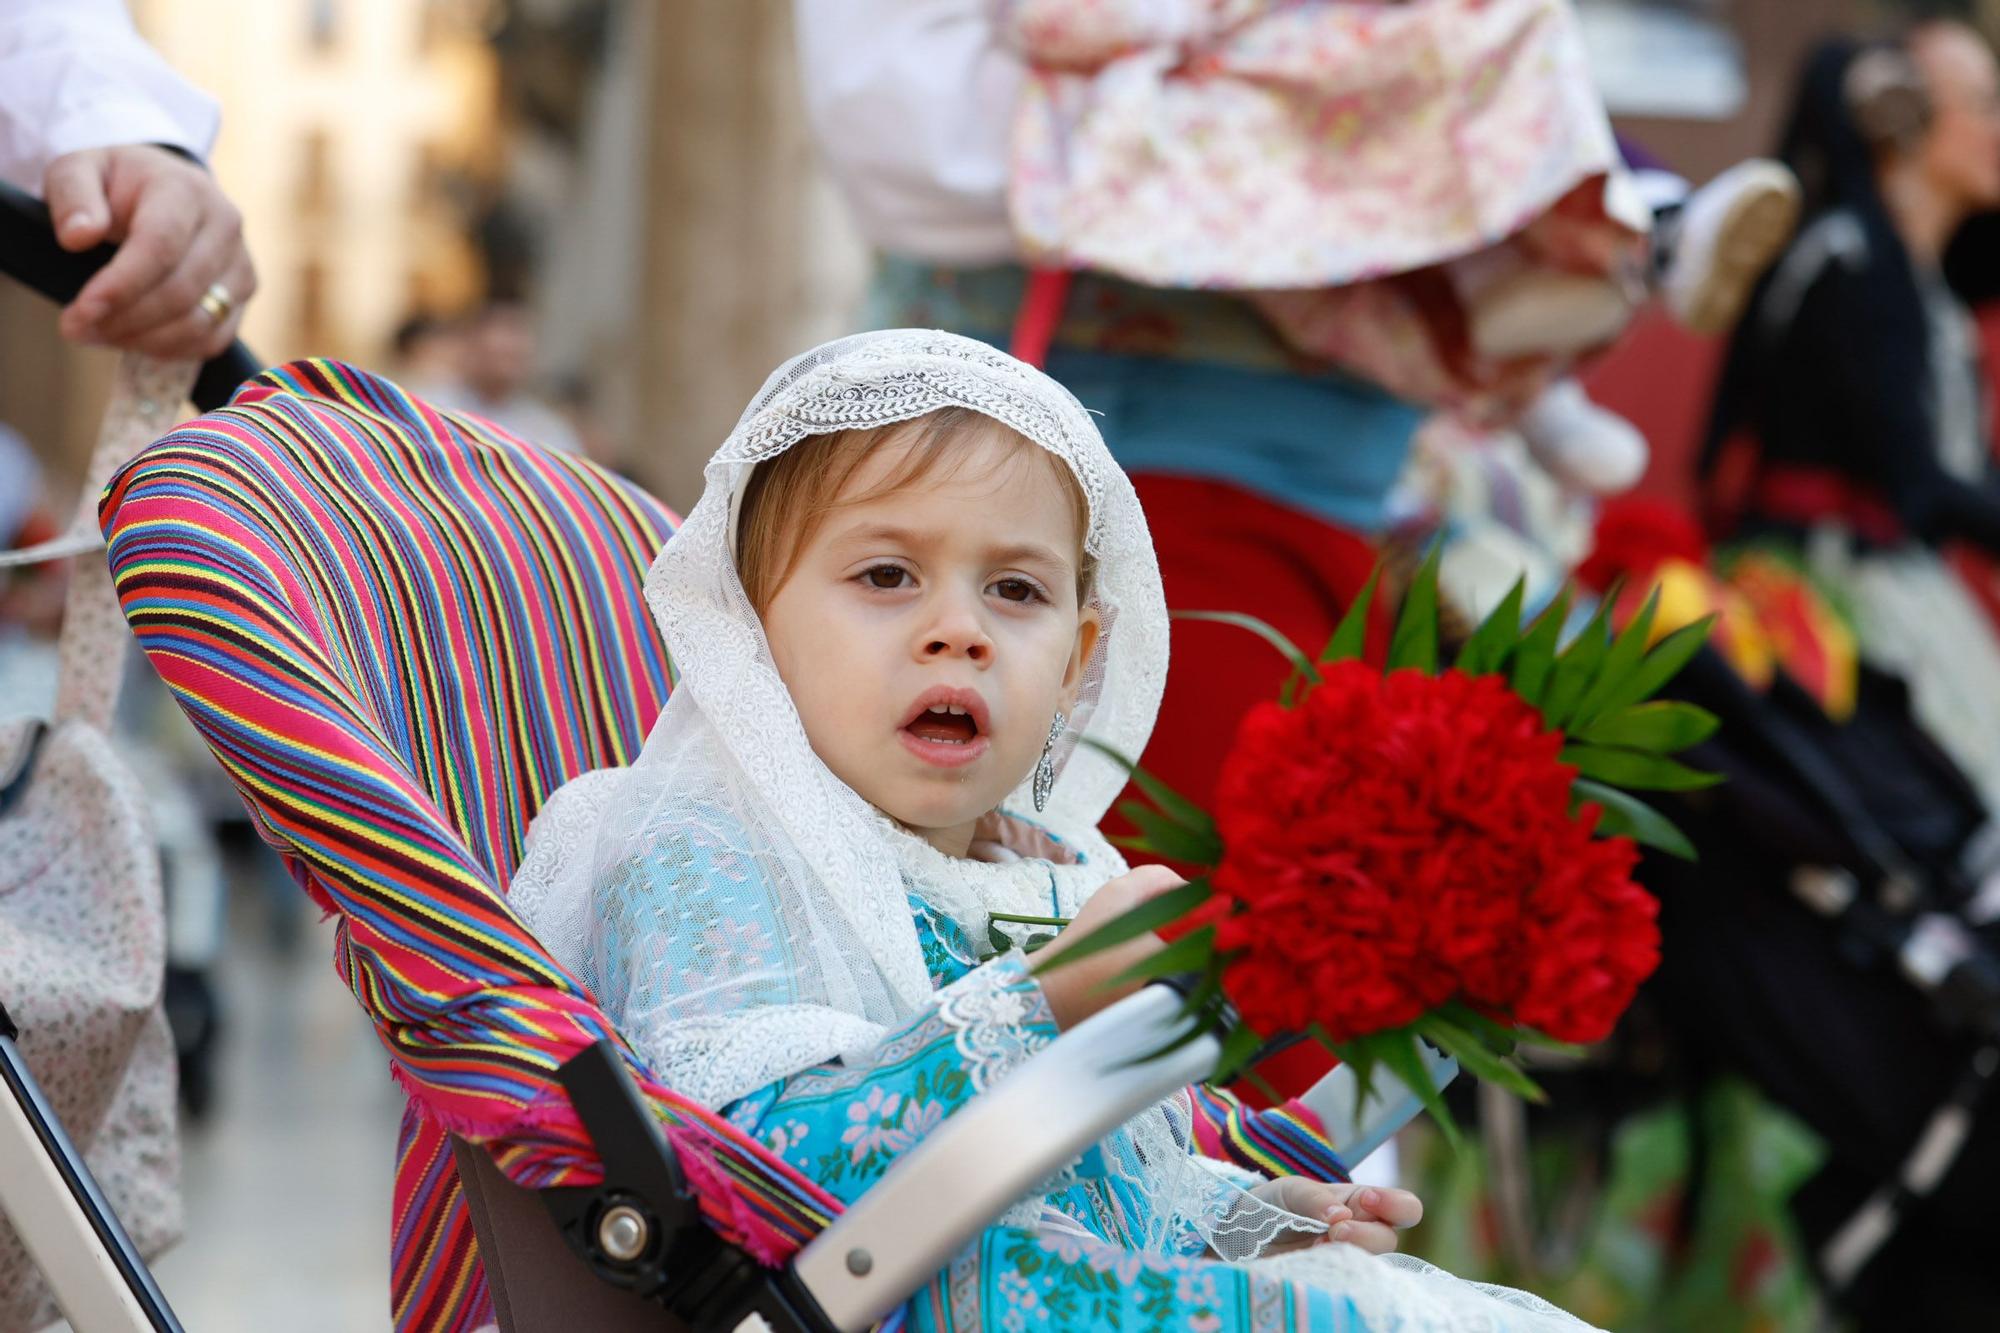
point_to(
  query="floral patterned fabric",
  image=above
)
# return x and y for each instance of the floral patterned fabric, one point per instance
(1257, 145)
(1360, 170)
(844, 1124)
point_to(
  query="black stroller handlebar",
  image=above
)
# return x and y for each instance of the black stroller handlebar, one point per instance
(30, 254)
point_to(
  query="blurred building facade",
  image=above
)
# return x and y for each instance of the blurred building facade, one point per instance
(638, 172)
(687, 238)
(358, 136)
(355, 136)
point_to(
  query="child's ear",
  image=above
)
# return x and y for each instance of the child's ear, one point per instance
(1088, 626)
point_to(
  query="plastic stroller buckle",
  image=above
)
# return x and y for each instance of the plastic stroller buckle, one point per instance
(642, 1229)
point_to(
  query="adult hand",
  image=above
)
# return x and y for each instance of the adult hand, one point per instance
(178, 284)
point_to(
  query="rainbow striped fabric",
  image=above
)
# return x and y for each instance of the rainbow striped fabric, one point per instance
(400, 630)
(1285, 1140)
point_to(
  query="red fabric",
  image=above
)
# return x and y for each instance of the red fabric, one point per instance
(1222, 548)
(1040, 313)
(1807, 495)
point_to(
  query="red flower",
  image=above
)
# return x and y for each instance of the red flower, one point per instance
(1394, 843)
(1634, 536)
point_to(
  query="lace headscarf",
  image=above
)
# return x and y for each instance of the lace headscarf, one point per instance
(742, 913)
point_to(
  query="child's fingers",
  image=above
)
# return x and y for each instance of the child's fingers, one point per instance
(1399, 1209)
(1370, 1236)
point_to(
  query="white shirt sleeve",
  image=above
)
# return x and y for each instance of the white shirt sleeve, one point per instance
(912, 102)
(75, 74)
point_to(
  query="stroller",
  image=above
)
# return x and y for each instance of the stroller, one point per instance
(399, 631)
(1863, 995)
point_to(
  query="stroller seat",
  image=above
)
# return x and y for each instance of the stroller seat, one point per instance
(400, 631)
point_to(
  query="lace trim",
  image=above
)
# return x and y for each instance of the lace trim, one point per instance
(873, 380)
(1394, 1291)
(998, 1018)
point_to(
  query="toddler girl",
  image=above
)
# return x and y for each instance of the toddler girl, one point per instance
(915, 582)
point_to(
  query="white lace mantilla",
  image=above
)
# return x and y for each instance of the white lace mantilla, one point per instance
(743, 916)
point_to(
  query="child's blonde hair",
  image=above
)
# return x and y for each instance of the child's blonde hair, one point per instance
(787, 498)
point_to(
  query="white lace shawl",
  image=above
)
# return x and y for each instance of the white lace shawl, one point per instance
(743, 915)
(739, 910)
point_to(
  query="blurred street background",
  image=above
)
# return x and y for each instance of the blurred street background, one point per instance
(610, 217)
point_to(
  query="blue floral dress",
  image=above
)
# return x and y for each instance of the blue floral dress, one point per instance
(844, 1124)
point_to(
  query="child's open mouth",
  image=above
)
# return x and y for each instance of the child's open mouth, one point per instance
(946, 727)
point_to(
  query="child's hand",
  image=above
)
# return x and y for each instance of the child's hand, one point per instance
(1364, 1215)
(1077, 991)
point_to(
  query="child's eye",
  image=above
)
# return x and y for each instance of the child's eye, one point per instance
(886, 576)
(1019, 590)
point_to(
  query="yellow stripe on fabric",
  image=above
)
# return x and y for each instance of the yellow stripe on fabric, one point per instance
(565, 590)
(365, 510)
(420, 487)
(502, 661)
(391, 453)
(284, 796)
(433, 1238)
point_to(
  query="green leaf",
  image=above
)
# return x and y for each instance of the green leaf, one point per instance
(1537, 651)
(1660, 727)
(1626, 814)
(1263, 1085)
(1661, 665)
(1355, 1055)
(1576, 667)
(1263, 630)
(1398, 1050)
(1627, 651)
(1150, 915)
(1159, 793)
(1238, 1049)
(1057, 921)
(1189, 953)
(1499, 1035)
(1631, 769)
(1486, 651)
(1542, 1041)
(1163, 835)
(1350, 637)
(1480, 1060)
(1200, 1010)
(1415, 641)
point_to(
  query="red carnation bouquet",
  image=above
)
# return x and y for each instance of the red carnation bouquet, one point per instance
(1430, 853)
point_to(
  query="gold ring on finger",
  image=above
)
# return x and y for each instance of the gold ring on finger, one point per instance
(216, 302)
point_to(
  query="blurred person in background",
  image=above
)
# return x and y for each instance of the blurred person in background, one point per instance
(426, 351)
(102, 130)
(113, 141)
(1264, 459)
(31, 597)
(576, 397)
(496, 363)
(1851, 424)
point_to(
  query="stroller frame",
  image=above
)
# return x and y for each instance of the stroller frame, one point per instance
(648, 1256)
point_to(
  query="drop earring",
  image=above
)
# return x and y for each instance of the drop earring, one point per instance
(1045, 767)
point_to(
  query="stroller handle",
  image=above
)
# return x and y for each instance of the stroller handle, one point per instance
(30, 254)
